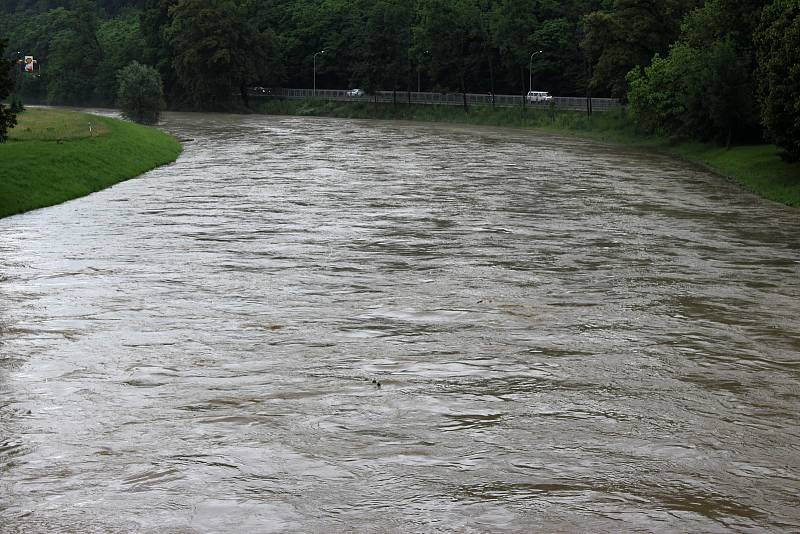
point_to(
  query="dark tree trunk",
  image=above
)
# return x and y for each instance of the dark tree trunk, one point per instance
(464, 92)
(245, 96)
(522, 78)
(588, 88)
(491, 77)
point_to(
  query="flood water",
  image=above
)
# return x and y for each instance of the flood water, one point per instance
(568, 336)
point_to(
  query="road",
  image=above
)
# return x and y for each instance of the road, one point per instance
(441, 99)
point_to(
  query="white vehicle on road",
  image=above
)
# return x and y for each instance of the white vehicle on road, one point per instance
(538, 96)
(355, 92)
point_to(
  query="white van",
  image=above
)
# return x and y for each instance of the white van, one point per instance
(539, 96)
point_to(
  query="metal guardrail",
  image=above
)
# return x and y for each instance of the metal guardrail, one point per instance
(440, 99)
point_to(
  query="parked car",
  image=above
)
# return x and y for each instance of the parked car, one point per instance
(538, 96)
(355, 92)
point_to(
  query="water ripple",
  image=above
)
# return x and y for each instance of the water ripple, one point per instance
(313, 325)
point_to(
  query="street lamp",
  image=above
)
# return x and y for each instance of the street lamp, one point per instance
(419, 76)
(530, 70)
(315, 71)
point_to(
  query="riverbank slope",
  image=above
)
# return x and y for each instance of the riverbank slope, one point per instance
(54, 155)
(759, 168)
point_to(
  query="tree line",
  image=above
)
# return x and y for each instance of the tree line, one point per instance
(713, 70)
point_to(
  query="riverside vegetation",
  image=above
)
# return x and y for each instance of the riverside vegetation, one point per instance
(703, 72)
(53, 156)
(720, 71)
(758, 167)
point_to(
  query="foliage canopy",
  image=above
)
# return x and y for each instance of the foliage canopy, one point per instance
(778, 43)
(721, 70)
(8, 117)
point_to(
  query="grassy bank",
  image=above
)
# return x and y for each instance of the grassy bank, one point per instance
(758, 167)
(53, 156)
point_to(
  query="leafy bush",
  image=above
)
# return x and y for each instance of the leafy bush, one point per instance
(141, 94)
(695, 93)
(654, 103)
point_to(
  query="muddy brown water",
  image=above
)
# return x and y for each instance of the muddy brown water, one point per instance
(568, 336)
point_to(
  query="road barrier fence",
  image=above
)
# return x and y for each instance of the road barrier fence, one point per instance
(438, 99)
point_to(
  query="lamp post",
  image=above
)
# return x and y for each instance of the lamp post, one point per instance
(530, 70)
(419, 75)
(19, 66)
(315, 71)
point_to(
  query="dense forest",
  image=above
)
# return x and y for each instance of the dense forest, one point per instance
(714, 70)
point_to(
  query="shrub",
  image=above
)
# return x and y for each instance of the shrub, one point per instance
(141, 94)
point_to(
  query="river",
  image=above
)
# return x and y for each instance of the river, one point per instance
(322, 325)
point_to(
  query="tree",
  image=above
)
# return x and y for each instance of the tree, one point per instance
(121, 43)
(7, 116)
(513, 27)
(778, 44)
(723, 93)
(153, 24)
(31, 35)
(218, 50)
(703, 89)
(654, 100)
(74, 59)
(451, 30)
(383, 43)
(721, 31)
(698, 93)
(140, 95)
(560, 69)
(628, 36)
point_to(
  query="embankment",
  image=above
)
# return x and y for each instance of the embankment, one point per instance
(54, 155)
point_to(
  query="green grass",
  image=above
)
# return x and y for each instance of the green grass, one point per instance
(51, 157)
(36, 124)
(758, 167)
